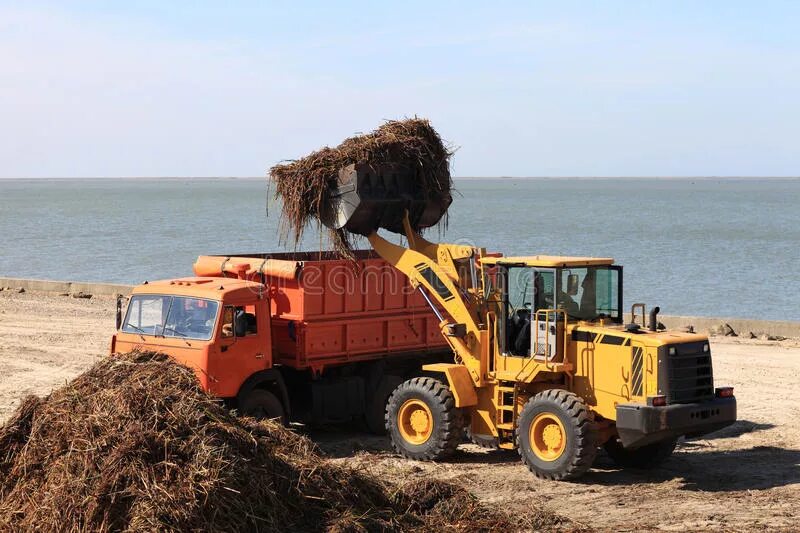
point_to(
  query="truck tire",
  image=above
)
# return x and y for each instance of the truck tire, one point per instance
(646, 457)
(375, 412)
(555, 435)
(261, 404)
(422, 419)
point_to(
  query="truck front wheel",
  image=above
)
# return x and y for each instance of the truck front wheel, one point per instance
(555, 435)
(422, 419)
(262, 405)
(646, 457)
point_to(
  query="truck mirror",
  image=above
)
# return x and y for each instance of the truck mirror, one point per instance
(572, 284)
(227, 322)
(119, 311)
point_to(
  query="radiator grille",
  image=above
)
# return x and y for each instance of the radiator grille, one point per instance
(690, 377)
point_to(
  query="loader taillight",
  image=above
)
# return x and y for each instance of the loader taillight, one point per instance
(657, 401)
(723, 392)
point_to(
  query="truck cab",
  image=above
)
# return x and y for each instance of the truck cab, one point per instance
(219, 327)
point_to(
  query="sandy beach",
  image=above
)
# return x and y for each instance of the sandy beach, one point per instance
(744, 477)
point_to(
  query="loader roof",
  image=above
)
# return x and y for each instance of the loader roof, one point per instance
(548, 261)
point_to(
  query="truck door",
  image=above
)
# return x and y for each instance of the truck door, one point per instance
(244, 346)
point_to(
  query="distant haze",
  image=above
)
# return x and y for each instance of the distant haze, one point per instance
(106, 89)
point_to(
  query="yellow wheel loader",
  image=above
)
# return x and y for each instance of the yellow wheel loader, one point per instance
(544, 358)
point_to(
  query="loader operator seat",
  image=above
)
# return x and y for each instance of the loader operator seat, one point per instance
(519, 332)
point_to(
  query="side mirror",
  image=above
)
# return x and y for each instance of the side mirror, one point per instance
(572, 284)
(227, 322)
(119, 311)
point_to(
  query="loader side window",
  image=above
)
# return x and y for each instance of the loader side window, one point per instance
(595, 295)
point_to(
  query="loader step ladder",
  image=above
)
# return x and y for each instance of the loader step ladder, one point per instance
(506, 414)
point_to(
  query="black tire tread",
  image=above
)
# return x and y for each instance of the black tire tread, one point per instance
(586, 447)
(452, 430)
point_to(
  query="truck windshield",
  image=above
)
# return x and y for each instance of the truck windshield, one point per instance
(594, 293)
(171, 316)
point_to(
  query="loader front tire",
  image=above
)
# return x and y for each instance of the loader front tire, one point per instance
(422, 419)
(555, 435)
(646, 457)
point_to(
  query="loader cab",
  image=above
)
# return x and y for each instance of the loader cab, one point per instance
(542, 294)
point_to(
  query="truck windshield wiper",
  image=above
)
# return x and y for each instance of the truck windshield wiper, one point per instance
(134, 327)
(167, 328)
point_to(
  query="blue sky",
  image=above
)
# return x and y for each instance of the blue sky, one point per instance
(522, 88)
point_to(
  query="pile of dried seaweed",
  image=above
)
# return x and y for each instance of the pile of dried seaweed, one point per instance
(303, 185)
(133, 444)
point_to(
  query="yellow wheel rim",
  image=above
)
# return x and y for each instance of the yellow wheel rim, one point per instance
(415, 422)
(547, 437)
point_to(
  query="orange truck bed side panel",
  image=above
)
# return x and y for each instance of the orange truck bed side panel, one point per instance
(337, 311)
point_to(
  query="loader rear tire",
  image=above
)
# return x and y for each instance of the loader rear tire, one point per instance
(556, 437)
(646, 457)
(422, 419)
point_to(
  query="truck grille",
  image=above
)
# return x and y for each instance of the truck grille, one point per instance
(689, 375)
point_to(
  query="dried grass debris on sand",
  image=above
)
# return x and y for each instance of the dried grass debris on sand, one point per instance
(133, 444)
(304, 184)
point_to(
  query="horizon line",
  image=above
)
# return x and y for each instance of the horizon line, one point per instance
(656, 177)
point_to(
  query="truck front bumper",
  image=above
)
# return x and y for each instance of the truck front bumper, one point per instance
(639, 425)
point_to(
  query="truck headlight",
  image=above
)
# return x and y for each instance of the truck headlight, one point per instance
(672, 350)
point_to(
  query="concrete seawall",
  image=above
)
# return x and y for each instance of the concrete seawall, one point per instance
(742, 326)
(65, 287)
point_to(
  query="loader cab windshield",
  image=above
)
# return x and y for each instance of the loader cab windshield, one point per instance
(585, 293)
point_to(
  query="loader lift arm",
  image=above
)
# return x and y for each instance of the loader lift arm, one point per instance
(432, 268)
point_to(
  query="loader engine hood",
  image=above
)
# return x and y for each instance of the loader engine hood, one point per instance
(618, 335)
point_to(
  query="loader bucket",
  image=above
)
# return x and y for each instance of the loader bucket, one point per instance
(367, 197)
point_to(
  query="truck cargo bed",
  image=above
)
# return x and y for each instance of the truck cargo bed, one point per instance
(326, 310)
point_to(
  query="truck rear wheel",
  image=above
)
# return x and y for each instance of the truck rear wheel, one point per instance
(646, 457)
(422, 419)
(375, 412)
(555, 435)
(263, 405)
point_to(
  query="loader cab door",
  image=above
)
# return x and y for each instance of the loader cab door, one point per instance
(547, 327)
(528, 290)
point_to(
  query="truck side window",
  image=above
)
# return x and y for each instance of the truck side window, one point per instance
(246, 323)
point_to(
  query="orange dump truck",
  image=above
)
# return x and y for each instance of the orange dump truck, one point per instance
(302, 336)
